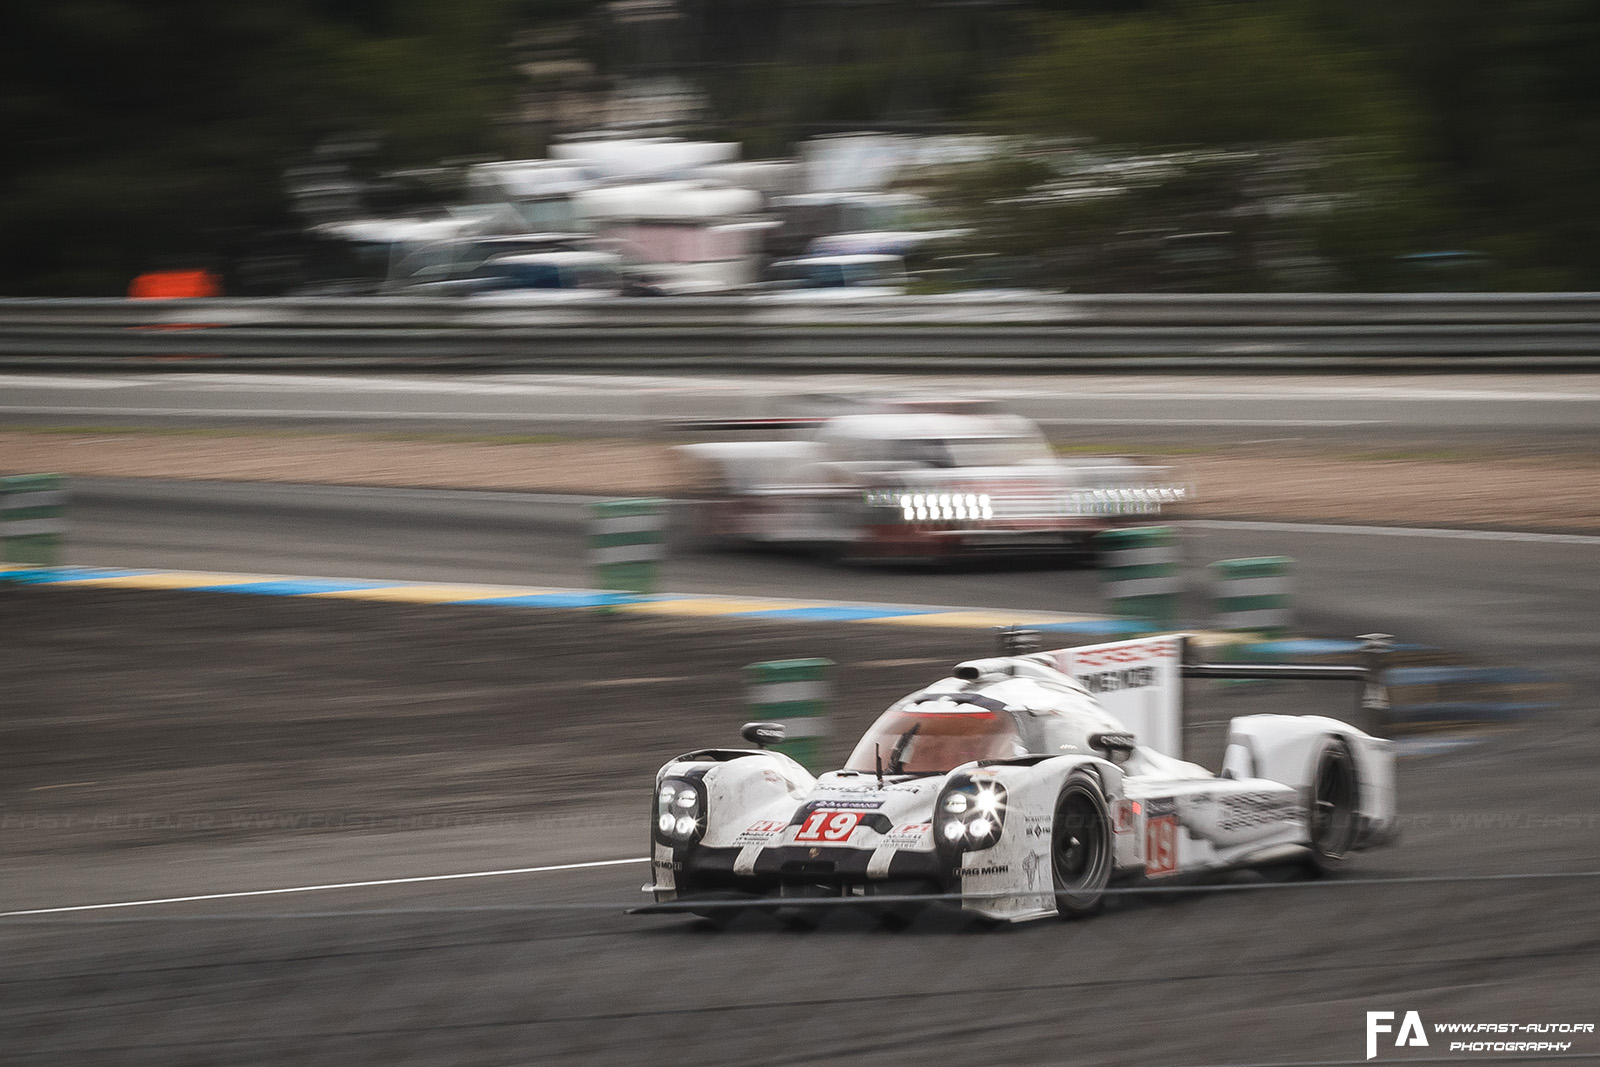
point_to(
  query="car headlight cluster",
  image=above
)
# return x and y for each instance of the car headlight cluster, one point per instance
(977, 507)
(970, 815)
(1123, 501)
(933, 507)
(680, 812)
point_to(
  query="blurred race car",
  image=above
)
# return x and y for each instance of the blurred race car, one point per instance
(1011, 788)
(912, 483)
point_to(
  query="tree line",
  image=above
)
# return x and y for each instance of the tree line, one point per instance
(1221, 143)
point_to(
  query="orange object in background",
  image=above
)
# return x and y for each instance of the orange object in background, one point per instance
(174, 285)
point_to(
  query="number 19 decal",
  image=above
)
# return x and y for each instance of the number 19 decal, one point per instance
(828, 826)
(1161, 845)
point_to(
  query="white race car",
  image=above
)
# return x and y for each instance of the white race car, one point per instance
(1010, 788)
(919, 481)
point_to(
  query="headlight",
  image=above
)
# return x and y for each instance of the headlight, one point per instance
(1125, 500)
(933, 507)
(970, 815)
(680, 816)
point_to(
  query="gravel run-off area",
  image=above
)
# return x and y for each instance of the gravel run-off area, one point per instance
(1447, 488)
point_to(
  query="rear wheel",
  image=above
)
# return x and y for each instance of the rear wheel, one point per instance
(1080, 849)
(1335, 791)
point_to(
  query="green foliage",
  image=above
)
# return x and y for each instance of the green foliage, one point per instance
(777, 71)
(1220, 146)
(1510, 100)
(144, 133)
(1197, 73)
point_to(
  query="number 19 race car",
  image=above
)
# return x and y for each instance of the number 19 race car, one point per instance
(1011, 789)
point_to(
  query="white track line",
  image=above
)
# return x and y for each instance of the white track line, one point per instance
(1396, 531)
(318, 888)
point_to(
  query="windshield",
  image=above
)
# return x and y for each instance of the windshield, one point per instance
(971, 451)
(932, 742)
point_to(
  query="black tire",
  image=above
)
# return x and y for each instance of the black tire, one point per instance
(1331, 815)
(1080, 849)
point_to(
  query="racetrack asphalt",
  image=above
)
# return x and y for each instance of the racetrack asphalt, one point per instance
(165, 744)
(1501, 411)
(1523, 598)
(171, 744)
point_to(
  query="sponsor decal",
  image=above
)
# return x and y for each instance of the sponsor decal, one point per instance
(1030, 866)
(843, 804)
(1125, 816)
(978, 872)
(1117, 680)
(1117, 656)
(1246, 810)
(1160, 845)
(760, 833)
(824, 825)
(667, 865)
(912, 833)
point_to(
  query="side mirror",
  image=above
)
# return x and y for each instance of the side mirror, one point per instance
(763, 734)
(1117, 747)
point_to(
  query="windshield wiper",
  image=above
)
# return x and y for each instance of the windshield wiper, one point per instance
(897, 762)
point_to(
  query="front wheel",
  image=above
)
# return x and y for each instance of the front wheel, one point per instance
(1080, 850)
(1335, 791)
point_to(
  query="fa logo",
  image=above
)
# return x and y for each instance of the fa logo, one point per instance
(1411, 1032)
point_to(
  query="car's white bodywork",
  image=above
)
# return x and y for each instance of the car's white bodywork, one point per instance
(763, 824)
(923, 485)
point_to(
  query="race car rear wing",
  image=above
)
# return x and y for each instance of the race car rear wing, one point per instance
(1140, 681)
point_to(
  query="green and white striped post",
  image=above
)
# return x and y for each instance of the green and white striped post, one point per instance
(33, 522)
(795, 693)
(1139, 573)
(625, 544)
(1252, 595)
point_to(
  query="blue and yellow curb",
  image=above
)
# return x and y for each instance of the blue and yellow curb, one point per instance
(1089, 628)
(665, 604)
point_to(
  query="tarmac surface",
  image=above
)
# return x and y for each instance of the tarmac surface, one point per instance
(169, 745)
(1522, 411)
(456, 795)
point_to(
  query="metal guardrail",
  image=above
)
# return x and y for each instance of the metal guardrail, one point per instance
(955, 332)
